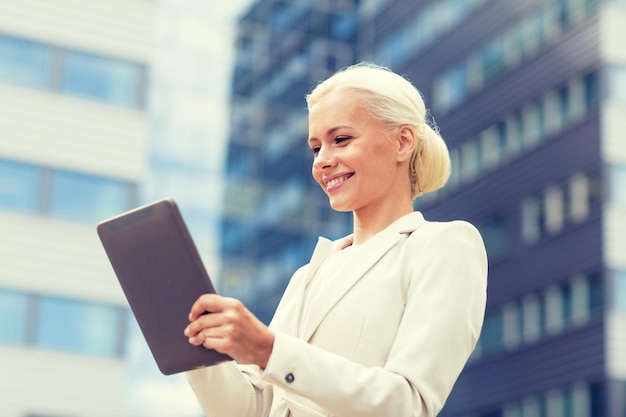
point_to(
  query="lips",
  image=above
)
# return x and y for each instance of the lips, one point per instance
(336, 181)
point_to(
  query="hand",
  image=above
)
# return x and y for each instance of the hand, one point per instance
(229, 328)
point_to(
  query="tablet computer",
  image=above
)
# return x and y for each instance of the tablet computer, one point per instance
(162, 275)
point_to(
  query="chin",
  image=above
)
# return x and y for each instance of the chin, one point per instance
(340, 206)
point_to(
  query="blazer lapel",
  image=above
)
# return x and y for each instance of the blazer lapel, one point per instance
(323, 250)
(346, 276)
(349, 274)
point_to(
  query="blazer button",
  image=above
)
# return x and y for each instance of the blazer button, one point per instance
(289, 378)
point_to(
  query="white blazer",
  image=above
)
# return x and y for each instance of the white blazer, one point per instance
(389, 339)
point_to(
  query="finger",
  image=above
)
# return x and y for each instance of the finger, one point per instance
(199, 337)
(205, 321)
(205, 303)
(213, 338)
(219, 344)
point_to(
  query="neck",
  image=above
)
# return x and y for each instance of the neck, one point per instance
(369, 221)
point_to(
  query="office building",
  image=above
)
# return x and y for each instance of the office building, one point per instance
(73, 151)
(273, 211)
(530, 97)
(527, 96)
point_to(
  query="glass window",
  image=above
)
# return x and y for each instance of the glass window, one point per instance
(554, 120)
(492, 147)
(533, 32)
(597, 403)
(580, 299)
(420, 31)
(534, 123)
(455, 167)
(568, 403)
(512, 323)
(595, 293)
(19, 186)
(240, 199)
(554, 403)
(563, 11)
(577, 104)
(532, 219)
(618, 185)
(471, 159)
(590, 82)
(24, 62)
(393, 49)
(554, 208)
(494, 144)
(533, 406)
(105, 79)
(578, 201)
(502, 137)
(492, 337)
(240, 164)
(78, 326)
(619, 290)
(492, 58)
(491, 413)
(452, 87)
(281, 18)
(566, 303)
(495, 235)
(342, 26)
(515, 132)
(13, 317)
(564, 103)
(553, 301)
(87, 198)
(234, 236)
(533, 317)
(512, 409)
(517, 36)
(617, 83)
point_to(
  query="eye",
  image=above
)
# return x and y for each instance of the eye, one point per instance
(342, 139)
(315, 149)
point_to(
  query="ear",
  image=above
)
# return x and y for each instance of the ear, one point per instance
(406, 143)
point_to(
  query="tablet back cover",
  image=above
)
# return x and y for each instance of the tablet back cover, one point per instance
(162, 275)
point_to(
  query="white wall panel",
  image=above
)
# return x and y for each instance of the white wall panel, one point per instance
(612, 32)
(122, 28)
(615, 237)
(51, 256)
(613, 126)
(63, 131)
(616, 345)
(56, 384)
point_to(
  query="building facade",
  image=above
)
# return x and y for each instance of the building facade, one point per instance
(530, 97)
(273, 211)
(73, 151)
(526, 96)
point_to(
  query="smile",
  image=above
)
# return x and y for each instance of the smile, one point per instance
(338, 180)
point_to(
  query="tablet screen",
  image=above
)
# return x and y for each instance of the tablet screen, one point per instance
(162, 275)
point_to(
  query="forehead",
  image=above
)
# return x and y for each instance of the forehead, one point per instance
(339, 106)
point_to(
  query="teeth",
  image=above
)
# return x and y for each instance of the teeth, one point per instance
(335, 181)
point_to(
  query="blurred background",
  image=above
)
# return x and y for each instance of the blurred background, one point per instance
(108, 105)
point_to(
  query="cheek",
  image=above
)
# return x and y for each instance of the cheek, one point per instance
(317, 176)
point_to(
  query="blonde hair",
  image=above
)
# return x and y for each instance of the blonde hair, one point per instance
(395, 102)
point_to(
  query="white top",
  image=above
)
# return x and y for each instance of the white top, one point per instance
(324, 278)
(388, 329)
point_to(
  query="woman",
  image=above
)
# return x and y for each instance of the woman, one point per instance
(381, 322)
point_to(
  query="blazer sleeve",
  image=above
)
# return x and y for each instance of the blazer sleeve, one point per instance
(446, 269)
(232, 390)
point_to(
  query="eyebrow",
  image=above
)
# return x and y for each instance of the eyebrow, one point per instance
(329, 132)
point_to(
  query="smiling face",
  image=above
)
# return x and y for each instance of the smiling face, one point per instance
(359, 164)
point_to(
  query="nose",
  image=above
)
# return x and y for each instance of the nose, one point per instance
(325, 158)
